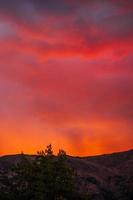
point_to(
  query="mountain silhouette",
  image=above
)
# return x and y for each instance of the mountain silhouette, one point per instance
(104, 177)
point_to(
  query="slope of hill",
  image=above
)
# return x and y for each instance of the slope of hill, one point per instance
(105, 177)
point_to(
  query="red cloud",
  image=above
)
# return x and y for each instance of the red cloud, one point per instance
(66, 76)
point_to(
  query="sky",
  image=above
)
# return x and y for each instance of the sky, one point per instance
(66, 76)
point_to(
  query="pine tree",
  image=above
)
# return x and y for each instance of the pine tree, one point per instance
(47, 177)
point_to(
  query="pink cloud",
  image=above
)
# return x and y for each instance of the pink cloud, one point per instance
(66, 75)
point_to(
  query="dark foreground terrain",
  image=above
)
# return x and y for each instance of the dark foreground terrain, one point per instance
(105, 177)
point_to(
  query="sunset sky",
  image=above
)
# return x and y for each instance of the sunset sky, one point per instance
(66, 76)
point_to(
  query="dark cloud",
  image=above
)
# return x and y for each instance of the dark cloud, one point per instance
(20, 7)
(94, 25)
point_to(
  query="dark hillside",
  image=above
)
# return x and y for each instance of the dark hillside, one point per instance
(105, 177)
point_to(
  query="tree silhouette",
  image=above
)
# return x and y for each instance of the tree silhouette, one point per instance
(45, 177)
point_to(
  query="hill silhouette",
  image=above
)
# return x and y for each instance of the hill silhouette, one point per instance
(104, 177)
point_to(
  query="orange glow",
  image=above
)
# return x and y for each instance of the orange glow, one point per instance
(94, 138)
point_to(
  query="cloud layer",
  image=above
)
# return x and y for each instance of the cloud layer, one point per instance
(66, 75)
